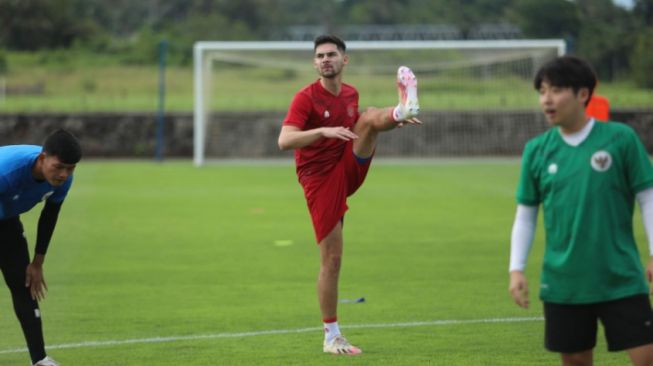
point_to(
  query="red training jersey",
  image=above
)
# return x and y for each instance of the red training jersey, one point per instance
(315, 107)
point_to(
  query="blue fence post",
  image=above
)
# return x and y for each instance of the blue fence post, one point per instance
(160, 116)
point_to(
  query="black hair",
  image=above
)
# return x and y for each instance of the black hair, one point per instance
(330, 38)
(64, 145)
(567, 72)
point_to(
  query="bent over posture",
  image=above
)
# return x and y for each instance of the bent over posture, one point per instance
(30, 174)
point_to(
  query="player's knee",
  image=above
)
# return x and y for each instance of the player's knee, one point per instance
(333, 262)
(577, 359)
(21, 296)
(366, 118)
(16, 285)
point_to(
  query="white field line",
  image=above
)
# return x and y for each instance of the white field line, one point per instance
(272, 332)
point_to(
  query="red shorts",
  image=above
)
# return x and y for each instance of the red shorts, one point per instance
(326, 195)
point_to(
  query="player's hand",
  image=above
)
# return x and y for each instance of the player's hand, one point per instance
(341, 133)
(34, 279)
(519, 288)
(409, 121)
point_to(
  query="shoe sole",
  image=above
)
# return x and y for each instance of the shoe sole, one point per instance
(345, 353)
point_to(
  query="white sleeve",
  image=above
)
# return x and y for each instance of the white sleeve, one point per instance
(523, 232)
(645, 200)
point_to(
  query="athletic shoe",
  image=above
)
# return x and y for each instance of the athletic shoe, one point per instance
(407, 87)
(339, 346)
(47, 362)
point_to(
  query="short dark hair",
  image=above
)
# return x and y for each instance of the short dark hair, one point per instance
(567, 72)
(64, 145)
(330, 38)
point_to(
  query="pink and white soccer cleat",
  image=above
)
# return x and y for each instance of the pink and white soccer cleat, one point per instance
(407, 87)
(340, 346)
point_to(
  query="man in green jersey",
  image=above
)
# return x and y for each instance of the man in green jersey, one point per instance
(587, 176)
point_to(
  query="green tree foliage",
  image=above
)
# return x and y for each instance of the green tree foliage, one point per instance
(598, 30)
(373, 11)
(607, 35)
(465, 14)
(4, 66)
(644, 11)
(546, 19)
(642, 59)
(37, 24)
(47, 24)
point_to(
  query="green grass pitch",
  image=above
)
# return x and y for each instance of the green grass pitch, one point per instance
(167, 264)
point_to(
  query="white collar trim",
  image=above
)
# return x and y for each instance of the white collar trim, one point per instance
(576, 138)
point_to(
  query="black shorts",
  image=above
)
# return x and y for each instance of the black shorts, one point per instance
(627, 323)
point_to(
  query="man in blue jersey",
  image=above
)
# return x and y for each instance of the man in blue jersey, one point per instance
(30, 174)
(587, 177)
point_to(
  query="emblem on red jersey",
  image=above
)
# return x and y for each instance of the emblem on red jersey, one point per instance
(350, 111)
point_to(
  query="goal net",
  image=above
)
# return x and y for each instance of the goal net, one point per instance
(476, 97)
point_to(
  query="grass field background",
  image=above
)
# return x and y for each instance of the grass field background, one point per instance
(223, 254)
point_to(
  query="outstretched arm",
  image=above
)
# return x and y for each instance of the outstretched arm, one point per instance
(34, 278)
(523, 232)
(292, 137)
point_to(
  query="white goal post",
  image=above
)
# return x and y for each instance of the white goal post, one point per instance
(206, 52)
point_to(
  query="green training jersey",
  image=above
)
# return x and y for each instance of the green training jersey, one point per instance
(588, 197)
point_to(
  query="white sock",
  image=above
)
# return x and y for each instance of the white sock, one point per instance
(331, 330)
(397, 115)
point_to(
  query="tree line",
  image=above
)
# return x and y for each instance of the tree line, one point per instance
(616, 40)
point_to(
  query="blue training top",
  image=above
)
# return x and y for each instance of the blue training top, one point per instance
(19, 191)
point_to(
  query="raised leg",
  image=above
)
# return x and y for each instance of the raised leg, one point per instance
(376, 120)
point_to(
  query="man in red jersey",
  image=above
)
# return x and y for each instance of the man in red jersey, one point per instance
(334, 145)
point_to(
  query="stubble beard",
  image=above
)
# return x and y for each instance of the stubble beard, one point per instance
(331, 73)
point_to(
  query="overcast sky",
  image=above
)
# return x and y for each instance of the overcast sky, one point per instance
(628, 4)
